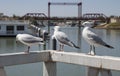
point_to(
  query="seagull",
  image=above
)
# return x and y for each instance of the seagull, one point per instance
(62, 38)
(28, 40)
(92, 38)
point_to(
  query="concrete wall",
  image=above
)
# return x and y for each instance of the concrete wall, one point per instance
(113, 20)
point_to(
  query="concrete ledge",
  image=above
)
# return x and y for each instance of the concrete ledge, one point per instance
(10, 59)
(105, 62)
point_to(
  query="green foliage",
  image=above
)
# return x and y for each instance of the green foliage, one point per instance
(115, 24)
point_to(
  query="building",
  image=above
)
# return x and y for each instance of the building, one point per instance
(13, 27)
(1, 14)
(115, 19)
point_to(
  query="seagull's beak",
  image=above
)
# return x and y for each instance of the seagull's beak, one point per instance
(81, 25)
(16, 41)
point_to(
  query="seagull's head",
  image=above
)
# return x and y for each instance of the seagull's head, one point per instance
(57, 28)
(90, 24)
(17, 37)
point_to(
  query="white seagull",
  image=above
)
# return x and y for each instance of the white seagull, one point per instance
(92, 38)
(62, 38)
(29, 40)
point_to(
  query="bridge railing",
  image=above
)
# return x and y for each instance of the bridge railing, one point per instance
(95, 64)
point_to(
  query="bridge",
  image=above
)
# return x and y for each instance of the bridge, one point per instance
(35, 15)
(95, 64)
(64, 18)
(87, 16)
(94, 15)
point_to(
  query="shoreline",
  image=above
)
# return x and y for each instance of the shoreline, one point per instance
(114, 26)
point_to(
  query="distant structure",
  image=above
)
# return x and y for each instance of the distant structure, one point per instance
(35, 15)
(3, 17)
(1, 14)
(10, 28)
(94, 15)
(114, 19)
(64, 3)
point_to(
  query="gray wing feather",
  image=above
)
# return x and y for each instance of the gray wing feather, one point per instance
(31, 39)
(62, 38)
(96, 39)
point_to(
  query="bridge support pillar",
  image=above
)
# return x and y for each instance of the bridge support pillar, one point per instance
(95, 72)
(2, 71)
(49, 69)
(105, 72)
(92, 71)
(79, 35)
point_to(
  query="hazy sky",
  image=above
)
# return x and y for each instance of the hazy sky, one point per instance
(21, 7)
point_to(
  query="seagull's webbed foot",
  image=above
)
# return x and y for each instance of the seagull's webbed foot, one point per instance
(27, 52)
(91, 53)
(92, 50)
(61, 48)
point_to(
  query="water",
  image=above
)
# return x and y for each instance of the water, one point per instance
(8, 45)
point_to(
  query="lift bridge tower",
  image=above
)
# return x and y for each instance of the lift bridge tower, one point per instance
(79, 16)
(64, 3)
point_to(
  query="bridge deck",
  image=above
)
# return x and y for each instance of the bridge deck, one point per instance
(66, 18)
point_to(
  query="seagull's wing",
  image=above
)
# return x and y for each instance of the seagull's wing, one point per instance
(31, 39)
(96, 40)
(62, 38)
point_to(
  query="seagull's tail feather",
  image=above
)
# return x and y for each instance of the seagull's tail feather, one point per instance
(109, 46)
(75, 46)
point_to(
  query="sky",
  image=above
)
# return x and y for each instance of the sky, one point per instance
(21, 7)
